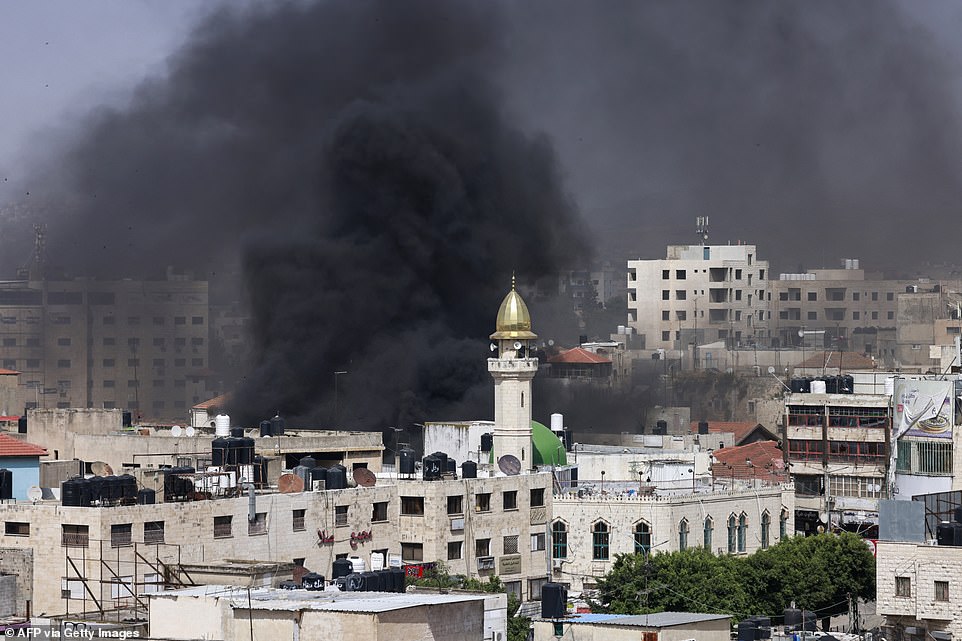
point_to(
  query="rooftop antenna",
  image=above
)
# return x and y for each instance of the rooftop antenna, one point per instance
(701, 228)
(36, 264)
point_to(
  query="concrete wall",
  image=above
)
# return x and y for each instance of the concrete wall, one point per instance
(11, 395)
(18, 562)
(459, 440)
(922, 565)
(703, 631)
(8, 595)
(26, 472)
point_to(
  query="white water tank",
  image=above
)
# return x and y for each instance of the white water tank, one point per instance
(621, 329)
(817, 387)
(557, 423)
(222, 425)
(377, 561)
(357, 562)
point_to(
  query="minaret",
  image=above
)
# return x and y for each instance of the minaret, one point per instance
(512, 371)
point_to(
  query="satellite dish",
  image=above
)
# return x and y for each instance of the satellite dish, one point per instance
(364, 477)
(509, 465)
(517, 344)
(176, 431)
(550, 342)
(801, 333)
(771, 370)
(493, 347)
(189, 431)
(823, 517)
(99, 468)
(290, 483)
(34, 493)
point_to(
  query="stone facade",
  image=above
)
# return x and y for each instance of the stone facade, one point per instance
(455, 521)
(919, 589)
(596, 528)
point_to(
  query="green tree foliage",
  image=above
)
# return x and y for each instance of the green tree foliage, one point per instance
(816, 572)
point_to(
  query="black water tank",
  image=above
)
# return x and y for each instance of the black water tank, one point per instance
(764, 627)
(232, 456)
(382, 581)
(308, 461)
(703, 427)
(487, 442)
(406, 458)
(831, 384)
(128, 488)
(245, 451)
(70, 492)
(949, 533)
(341, 567)
(808, 621)
(806, 385)
(450, 466)
(237, 432)
(336, 478)
(126, 418)
(112, 490)
(397, 580)
(146, 496)
(848, 385)
(277, 426)
(747, 630)
(312, 581)
(796, 385)
(792, 617)
(218, 450)
(6, 484)
(353, 582)
(369, 581)
(431, 468)
(265, 428)
(22, 425)
(95, 485)
(957, 513)
(469, 470)
(319, 474)
(443, 458)
(289, 585)
(661, 427)
(554, 601)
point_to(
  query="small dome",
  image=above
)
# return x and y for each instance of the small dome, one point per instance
(514, 321)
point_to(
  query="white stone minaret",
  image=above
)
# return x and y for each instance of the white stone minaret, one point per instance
(512, 371)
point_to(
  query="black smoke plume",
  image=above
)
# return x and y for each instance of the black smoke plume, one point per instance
(358, 158)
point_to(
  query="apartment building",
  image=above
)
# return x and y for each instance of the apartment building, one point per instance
(138, 345)
(918, 590)
(699, 294)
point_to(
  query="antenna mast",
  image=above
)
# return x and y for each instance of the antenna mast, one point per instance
(701, 228)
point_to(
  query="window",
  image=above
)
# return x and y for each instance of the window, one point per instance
(680, 274)
(133, 382)
(74, 536)
(510, 544)
(812, 315)
(14, 528)
(297, 520)
(742, 527)
(874, 315)
(537, 542)
(133, 320)
(682, 315)
(10, 342)
(108, 383)
(223, 527)
(109, 320)
(196, 341)
(666, 336)
(537, 497)
(708, 531)
(11, 363)
(903, 586)
(72, 589)
(62, 342)
(412, 551)
(665, 294)
(813, 296)
(889, 296)
(151, 582)
(340, 515)
(559, 626)
(33, 342)
(455, 550)
(942, 591)
(534, 588)
(509, 500)
(197, 362)
(642, 536)
(33, 363)
(890, 315)
(133, 343)
(133, 362)
(683, 534)
(121, 587)
(153, 532)
(412, 506)
(180, 320)
(456, 504)
(681, 294)
(109, 362)
(180, 342)
(599, 541)
(559, 540)
(855, 296)
(258, 525)
(63, 363)
(731, 534)
(120, 535)
(180, 362)
(766, 523)
(856, 315)
(157, 382)
(379, 512)
(665, 274)
(783, 524)
(482, 502)
(482, 547)
(666, 315)
(196, 320)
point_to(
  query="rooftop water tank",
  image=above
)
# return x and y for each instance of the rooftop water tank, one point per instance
(469, 470)
(557, 423)
(222, 425)
(341, 567)
(406, 459)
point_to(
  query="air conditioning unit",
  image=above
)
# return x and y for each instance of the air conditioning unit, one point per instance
(557, 564)
(457, 525)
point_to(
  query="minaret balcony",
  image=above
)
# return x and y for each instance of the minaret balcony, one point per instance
(512, 365)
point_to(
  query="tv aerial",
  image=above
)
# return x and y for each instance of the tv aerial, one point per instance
(493, 347)
(771, 370)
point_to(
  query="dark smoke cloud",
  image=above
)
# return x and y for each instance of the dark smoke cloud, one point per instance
(358, 158)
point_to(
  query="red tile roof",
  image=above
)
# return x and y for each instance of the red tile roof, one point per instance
(578, 355)
(10, 446)
(837, 360)
(741, 429)
(9, 372)
(218, 402)
(767, 464)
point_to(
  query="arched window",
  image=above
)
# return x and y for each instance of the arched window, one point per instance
(599, 541)
(642, 538)
(783, 524)
(766, 523)
(742, 527)
(731, 534)
(709, 527)
(683, 534)
(559, 540)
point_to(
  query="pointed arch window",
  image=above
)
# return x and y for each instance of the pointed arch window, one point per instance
(559, 540)
(683, 534)
(783, 524)
(742, 528)
(642, 538)
(766, 524)
(600, 536)
(731, 534)
(709, 529)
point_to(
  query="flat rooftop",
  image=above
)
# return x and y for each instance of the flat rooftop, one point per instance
(655, 620)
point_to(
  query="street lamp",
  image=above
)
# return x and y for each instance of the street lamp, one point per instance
(336, 374)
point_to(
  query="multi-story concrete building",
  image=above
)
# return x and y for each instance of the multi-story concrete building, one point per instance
(919, 590)
(699, 294)
(589, 531)
(140, 345)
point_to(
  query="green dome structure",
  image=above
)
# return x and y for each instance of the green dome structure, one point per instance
(546, 448)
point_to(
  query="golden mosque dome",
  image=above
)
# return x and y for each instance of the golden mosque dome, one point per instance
(514, 321)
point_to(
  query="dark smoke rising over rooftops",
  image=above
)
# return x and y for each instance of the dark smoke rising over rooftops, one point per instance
(376, 166)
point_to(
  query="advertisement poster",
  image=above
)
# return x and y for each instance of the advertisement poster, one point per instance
(923, 408)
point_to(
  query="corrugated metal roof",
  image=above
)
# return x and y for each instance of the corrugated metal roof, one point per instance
(655, 620)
